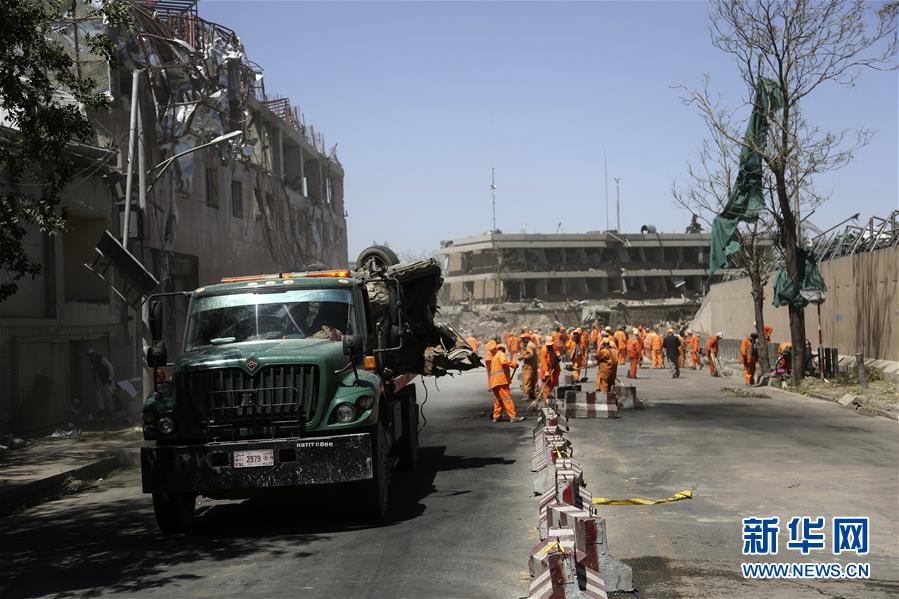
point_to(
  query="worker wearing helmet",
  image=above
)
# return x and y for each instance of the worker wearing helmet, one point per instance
(634, 353)
(530, 366)
(500, 382)
(550, 367)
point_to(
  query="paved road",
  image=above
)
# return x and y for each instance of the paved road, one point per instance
(462, 524)
(779, 456)
(459, 527)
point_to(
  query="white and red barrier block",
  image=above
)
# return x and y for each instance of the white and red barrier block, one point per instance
(590, 404)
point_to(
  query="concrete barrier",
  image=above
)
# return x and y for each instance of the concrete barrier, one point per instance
(590, 404)
(572, 560)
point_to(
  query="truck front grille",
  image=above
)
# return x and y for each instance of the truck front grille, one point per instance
(277, 401)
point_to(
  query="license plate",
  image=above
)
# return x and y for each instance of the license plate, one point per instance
(254, 458)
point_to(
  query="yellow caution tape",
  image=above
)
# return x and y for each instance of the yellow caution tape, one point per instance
(685, 494)
(551, 546)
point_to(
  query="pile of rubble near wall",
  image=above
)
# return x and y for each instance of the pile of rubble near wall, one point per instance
(488, 320)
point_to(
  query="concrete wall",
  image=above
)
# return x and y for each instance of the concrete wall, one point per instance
(861, 312)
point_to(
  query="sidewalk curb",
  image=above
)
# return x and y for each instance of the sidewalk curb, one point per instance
(45, 489)
(861, 409)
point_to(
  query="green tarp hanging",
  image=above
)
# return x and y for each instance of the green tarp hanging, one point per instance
(746, 200)
(787, 291)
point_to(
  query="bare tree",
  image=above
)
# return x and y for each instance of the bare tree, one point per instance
(710, 182)
(799, 45)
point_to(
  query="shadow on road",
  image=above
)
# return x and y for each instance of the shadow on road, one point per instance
(86, 544)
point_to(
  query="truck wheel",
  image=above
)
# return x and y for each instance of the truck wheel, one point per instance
(407, 446)
(378, 494)
(376, 257)
(174, 511)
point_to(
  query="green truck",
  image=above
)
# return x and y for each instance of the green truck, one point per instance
(294, 380)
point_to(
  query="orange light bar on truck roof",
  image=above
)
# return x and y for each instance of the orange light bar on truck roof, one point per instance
(329, 273)
(289, 275)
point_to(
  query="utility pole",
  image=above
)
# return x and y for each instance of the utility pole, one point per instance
(617, 205)
(493, 196)
(605, 169)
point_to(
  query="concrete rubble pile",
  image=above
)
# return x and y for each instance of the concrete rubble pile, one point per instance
(572, 559)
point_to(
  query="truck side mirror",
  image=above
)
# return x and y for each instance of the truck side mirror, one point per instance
(352, 346)
(155, 319)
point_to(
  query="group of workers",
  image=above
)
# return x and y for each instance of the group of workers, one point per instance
(541, 358)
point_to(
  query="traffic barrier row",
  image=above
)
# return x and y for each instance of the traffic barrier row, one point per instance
(572, 560)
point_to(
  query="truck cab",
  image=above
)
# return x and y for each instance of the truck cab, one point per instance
(289, 381)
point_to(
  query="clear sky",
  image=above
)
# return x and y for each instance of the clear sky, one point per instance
(419, 96)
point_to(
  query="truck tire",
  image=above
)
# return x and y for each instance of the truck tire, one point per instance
(174, 511)
(376, 257)
(407, 445)
(378, 488)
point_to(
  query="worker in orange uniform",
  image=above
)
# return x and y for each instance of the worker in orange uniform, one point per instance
(607, 364)
(550, 367)
(681, 351)
(500, 381)
(594, 336)
(693, 342)
(749, 356)
(647, 344)
(530, 366)
(634, 353)
(657, 360)
(512, 344)
(621, 343)
(472, 342)
(489, 349)
(576, 354)
(711, 351)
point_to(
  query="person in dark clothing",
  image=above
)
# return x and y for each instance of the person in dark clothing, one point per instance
(671, 345)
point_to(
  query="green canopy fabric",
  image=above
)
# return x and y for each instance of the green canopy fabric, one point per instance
(746, 200)
(787, 291)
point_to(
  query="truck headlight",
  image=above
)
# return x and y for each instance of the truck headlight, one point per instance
(363, 403)
(166, 425)
(345, 412)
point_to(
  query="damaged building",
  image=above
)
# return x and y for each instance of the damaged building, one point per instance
(228, 179)
(622, 277)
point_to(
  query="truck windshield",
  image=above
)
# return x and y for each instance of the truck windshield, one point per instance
(269, 314)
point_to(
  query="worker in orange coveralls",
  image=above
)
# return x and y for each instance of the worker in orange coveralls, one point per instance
(472, 342)
(634, 353)
(550, 367)
(681, 351)
(749, 356)
(500, 381)
(647, 344)
(607, 363)
(530, 366)
(711, 352)
(512, 344)
(657, 361)
(576, 353)
(594, 336)
(693, 342)
(621, 344)
(489, 350)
